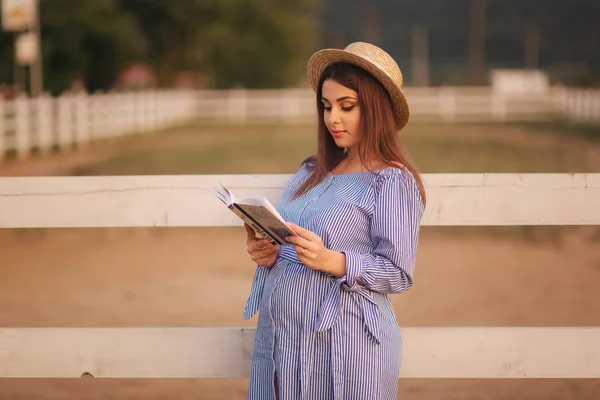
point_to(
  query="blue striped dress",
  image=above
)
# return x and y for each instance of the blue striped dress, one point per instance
(319, 337)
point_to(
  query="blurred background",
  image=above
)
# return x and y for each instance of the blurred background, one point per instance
(145, 87)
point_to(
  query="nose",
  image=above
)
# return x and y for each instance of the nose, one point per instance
(334, 116)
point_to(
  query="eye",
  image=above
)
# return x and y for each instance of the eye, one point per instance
(347, 109)
(326, 108)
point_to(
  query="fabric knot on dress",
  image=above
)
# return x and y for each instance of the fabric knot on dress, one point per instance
(330, 309)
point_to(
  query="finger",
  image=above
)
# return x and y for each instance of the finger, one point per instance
(249, 231)
(267, 253)
(304, 243)
(305, 260)
(303, 232)
(263, 253)
(272, 256)
(304, 253)
(259, 245)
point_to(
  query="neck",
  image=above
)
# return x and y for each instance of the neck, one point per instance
(352, 156)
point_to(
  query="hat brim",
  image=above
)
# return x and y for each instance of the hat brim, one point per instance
(323, 58)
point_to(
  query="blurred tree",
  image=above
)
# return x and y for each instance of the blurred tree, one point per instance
(87, 41)
(169, 27)
(245, 43)
(258, 44)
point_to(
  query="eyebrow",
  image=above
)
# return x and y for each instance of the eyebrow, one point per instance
(340, 99)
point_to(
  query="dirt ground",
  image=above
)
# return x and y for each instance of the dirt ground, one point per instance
(201, 277)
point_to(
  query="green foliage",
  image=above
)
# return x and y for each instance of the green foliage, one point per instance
(91, 41)
(245, 43)
(256, 45)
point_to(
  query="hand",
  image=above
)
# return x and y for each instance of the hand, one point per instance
(261, 251)
(313, 253)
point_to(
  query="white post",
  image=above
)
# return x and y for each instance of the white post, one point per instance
(589, 105)
(143, 112)
(82, 134)
(121, 114)
(572, 104)
(447, 104)
(130, 117)
(152, 111)
(290, 106)
(237, 106)
(22, 126)
(171, 106)
(44, 123)
(579, 105)
(138, 112)
(2, 128)
(64, 124)
(596, 109)
(95, 119)
(111, 110)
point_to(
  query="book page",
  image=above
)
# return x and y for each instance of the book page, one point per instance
(223, 194)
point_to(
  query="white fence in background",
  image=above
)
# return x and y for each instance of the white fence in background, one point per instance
(73, 121)
(214, 352)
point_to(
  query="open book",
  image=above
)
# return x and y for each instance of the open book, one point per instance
(258, 213)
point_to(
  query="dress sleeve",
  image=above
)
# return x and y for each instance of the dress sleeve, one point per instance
(395, 227)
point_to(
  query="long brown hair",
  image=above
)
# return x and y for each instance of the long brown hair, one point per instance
(380, 136)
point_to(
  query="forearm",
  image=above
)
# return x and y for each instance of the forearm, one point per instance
(336, 264)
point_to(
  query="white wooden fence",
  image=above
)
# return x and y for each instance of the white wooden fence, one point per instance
(173, 201)
(75, 120)
(71, 121)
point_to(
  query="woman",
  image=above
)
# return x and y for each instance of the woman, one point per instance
(326, 327)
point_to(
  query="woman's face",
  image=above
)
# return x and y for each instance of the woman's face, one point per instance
(341, 114)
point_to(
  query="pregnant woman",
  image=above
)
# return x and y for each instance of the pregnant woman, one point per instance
(326, 326)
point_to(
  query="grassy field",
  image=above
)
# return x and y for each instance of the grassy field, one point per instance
(209, 149)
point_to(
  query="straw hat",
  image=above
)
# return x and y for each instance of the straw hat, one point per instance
(372, 59)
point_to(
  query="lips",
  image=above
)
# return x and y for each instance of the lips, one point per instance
(337, 134)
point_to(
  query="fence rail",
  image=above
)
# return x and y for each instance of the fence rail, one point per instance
(454, 199)
(475, 352)
(174, 201)
(74, 120)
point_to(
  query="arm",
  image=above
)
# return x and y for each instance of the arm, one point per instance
(395, 229)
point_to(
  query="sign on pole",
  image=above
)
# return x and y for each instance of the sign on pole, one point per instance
(18, 15)
(27, 48)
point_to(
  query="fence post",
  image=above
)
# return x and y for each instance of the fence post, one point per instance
(144, 123)
(237, 106)
(595, 107)
(152, 111)
(44, 123)
(64, 124)
(2, 128)
(121, 114)
(290, 106)
(588, 100)
(22, 126)
(82, 134)
(447, 104)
